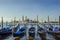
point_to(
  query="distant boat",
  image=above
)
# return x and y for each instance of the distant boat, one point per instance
(42, 33)
(6, 30)
(20, 32)
(32, 31)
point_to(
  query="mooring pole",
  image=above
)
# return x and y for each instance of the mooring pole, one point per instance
(14, 20)
(55, 22)
(36, 27)
(19, 21)
(22, 18)
(59, 21)
(48, 22)
(37, 21)
(25, 17)
(42, 22)
(6, 23)
(13, 26)
(27, 30)
(2, 22)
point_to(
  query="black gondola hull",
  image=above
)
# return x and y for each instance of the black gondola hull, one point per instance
(55, 34)
(42, 35)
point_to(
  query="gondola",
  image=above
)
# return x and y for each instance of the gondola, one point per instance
(42, 33)
(6, 30)
(32, 32)
(15, 28)
(55, 32)
(20, 32)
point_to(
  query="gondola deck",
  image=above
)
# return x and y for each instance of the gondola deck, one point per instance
(41, 33)
(32, 32)
(5, 31)
(20, 32)
(55, 32)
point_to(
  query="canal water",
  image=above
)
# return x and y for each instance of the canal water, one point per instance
(10, 37)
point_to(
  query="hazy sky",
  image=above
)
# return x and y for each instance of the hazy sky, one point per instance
(30, 8)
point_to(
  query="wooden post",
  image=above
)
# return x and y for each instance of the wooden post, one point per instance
(37, 19)
(36, 27)
(11, 22)
(55, 21)
(25, 17)
(48, 22)
(37, 22)
(59, 21)
(27, 30)
(22, 18)
(2, 22)
(14, 20)
(42, 22)
(6, 23)
(19, 21)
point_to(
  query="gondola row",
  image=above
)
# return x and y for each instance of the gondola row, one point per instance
(20, 31)
(7, 31)
(54, 31)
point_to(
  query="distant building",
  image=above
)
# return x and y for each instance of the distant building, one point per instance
(51, 22)
(30, 21)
